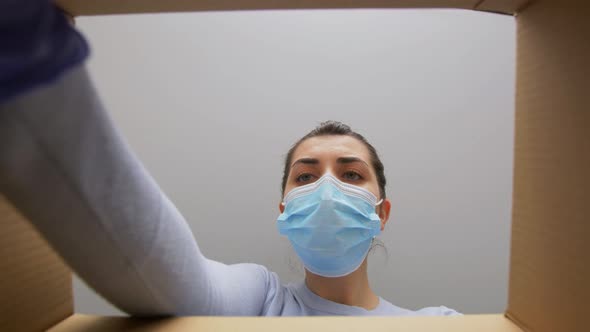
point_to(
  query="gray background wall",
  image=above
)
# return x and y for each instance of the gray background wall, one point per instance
(212, 101)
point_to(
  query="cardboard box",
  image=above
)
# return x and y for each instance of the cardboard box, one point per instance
(550, 249)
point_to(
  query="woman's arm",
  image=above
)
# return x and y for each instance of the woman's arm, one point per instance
(65, 166)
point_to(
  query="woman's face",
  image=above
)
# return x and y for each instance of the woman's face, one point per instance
(345, 157)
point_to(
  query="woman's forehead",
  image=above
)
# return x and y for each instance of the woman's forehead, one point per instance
(332, 146)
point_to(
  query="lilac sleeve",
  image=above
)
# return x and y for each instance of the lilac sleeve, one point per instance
(67, 168)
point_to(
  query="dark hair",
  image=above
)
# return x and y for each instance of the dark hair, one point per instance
(328, 128)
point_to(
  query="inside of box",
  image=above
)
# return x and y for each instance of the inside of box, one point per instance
(550, 251)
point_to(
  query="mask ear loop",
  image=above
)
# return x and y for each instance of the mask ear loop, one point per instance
(376, 205)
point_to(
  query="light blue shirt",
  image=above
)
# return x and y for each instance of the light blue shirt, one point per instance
(300, 301)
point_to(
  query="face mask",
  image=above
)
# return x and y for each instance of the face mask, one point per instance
(331, 225)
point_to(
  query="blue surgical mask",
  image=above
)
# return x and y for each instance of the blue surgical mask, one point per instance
(330, 224)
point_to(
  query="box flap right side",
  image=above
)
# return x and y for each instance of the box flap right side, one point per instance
(550, 254)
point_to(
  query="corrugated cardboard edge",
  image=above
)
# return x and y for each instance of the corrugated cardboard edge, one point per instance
(106, 7)
(479, 323)
(35, 284)
(502, 6)
(550, 253)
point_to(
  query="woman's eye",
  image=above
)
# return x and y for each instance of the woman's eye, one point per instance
(351, 176)
(304, 177)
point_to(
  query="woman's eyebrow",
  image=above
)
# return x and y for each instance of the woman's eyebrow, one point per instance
(348, 160)
(341, 160)
(309, 161)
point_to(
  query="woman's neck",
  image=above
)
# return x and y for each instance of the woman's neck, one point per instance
(352, 289)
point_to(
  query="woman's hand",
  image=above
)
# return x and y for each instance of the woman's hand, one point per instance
(38, 46)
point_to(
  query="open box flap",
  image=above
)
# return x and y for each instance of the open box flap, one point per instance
(479, 323)
(550, 263)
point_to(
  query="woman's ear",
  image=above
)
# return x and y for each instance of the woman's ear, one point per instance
(383, 212)
(281, 207)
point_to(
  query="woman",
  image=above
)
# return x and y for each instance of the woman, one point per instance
(63, 164)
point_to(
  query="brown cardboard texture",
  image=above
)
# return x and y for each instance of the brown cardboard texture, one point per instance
(35, 285)
(550, 248)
